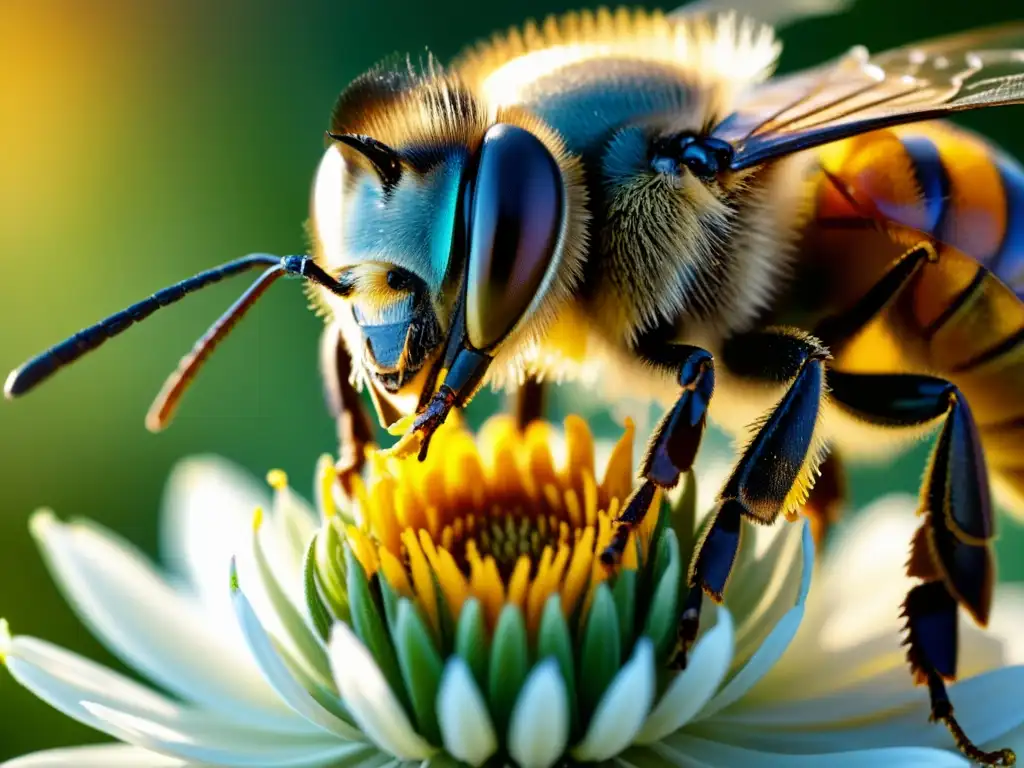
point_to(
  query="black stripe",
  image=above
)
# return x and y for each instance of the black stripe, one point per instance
(1006, 346)
(932, 179)
(962, 298)
(1008, 259)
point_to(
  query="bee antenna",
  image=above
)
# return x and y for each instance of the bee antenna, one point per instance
(44, 365)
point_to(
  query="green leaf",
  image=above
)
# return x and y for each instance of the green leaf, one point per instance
(601, 651)
(421, 668)
(554, 640)
(471, 640)
(509, 665)
(624, 593)
(315, 607)
(369, 627)
(662, 623)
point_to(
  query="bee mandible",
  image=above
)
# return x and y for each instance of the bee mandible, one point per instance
(630, 200)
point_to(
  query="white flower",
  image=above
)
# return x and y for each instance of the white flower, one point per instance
(279, 652)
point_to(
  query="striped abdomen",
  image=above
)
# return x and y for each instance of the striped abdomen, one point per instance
(962, 317)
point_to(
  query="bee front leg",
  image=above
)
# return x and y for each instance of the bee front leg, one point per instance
(529, 401)
(952, 551)
(346, 406)
(673, 446)
(777, 467)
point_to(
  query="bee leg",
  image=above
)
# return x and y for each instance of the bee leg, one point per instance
(530, 401)
(673, 446)
(952, 551)
(709, 572)
(354, 429)
(776, 467)
(823, 507)
(836, 330)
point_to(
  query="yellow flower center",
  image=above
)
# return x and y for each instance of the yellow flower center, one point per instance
(498, 519)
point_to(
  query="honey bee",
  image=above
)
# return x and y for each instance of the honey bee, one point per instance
(630, 200)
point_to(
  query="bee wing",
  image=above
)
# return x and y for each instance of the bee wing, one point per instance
(859, 93)
(775, 13)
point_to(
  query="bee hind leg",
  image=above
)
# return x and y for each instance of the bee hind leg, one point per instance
(952, 551)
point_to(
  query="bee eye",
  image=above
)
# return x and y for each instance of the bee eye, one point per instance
(704, 156)
(398, 280)
(514, 223)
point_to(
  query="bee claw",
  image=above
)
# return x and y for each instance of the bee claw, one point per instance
(420, 429)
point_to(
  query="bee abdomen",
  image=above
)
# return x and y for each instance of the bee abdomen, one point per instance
(971, 197)
(963, 314)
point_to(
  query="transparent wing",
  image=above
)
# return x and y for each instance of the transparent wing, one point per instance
(775, 13)
(859, 93)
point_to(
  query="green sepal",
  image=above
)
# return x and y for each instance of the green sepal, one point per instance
(421, 667)
(315, 608)
(331, 576)
(509, 665)
(445, 637)
(471, 640)
(684, 516)
(662, 623)
(662, 557)
(554, 640)
(388, 598)
(600, 652)
(368, 626)
(624, 594)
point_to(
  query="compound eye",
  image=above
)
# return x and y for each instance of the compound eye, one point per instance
(516, 213)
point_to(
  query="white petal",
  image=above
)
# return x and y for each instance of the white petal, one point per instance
(151, 626)
(539, 727)
(210, 744)
(107, 701)
(988, 707)
(293, 524)
(774, 645)
(207, 513)
(102, 756)
(623, 708)
(766, 587)
(693, 687)
(466, 726)
(276, 611)
(281, 678)
(646, 757)
(723, 755)
(372, 703)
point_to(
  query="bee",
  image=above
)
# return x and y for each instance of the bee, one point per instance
(631, 200)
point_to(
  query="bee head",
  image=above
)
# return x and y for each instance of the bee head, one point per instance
(448, 226)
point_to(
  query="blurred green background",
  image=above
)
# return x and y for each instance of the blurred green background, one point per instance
(143, 141)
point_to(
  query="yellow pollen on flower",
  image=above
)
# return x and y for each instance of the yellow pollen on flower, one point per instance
(277, 479)
(497, 519)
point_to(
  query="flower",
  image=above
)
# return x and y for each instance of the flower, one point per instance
(403, 628)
